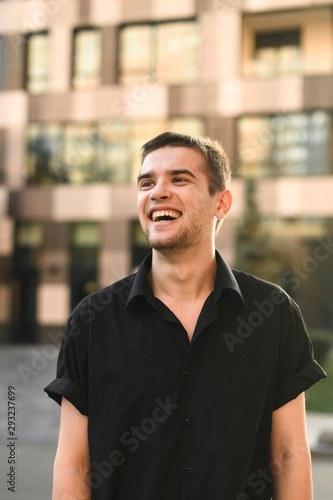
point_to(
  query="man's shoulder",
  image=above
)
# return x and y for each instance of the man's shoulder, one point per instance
(253, 285)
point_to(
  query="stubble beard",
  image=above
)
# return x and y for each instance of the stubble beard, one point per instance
(179, 242)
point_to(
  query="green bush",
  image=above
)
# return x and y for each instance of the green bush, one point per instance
(319, 398)
(322, 340)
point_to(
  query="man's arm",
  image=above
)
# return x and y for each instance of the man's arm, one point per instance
(72, 464)
(290, 454)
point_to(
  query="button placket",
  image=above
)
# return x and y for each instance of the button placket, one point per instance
(187, 436)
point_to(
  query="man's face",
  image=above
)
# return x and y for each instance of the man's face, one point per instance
(175, 208)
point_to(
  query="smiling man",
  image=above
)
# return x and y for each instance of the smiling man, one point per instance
(186, 380)
(185, 219)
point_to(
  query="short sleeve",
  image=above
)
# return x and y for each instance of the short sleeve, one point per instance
(72, 377)
(297, 369)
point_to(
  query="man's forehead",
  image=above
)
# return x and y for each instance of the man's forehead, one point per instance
(173, 158)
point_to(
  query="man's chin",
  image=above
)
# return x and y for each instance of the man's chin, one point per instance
(165, 244)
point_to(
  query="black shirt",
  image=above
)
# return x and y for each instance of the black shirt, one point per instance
(170, 419)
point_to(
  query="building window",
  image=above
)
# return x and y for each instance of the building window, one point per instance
(29, 235)
(79, 166)
(289, 144)
(165, 52)
(29, 239)
(139, 245)
(87, 58)
(45, 154)
(104, 152)
(277, 52)
(37, 63)
(84, 251)
(187, 125)
(128, 137)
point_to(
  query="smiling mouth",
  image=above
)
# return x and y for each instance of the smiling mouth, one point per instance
(165, 215)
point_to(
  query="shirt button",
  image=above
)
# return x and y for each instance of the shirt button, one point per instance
(178, 328)
(189, 470)
(187, 373)
(188, 421)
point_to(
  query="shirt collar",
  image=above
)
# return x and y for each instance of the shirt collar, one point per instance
(225, 280)
(141, 285)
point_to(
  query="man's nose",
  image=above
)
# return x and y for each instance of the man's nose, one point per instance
(160, 191)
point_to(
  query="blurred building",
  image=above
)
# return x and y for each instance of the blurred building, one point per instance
(84, 83)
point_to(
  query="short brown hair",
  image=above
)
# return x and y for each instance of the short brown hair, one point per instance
(217, 162)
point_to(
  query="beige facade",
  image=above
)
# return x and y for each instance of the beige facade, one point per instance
(101, 106)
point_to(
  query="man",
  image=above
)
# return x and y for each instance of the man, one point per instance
(186, 380)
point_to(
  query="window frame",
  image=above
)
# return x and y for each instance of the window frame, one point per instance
(28, 38)
(75, 32)
(126, 136)
(266, 166)
(154, 59)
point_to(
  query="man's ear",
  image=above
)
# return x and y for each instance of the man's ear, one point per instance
(224, 203)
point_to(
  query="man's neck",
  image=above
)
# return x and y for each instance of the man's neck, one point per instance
(183, 277)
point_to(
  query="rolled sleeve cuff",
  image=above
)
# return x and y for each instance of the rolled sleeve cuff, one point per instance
(300, 382)
(69, 390)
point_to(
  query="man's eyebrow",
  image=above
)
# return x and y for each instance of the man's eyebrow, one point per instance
(146, 175)
(183, 171)
(151, 173)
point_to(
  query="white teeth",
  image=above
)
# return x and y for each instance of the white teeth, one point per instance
(161, 213)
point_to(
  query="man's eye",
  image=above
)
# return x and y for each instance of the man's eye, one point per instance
(145, 184)
(179, 179)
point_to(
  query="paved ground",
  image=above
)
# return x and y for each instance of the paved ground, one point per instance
(29, 369)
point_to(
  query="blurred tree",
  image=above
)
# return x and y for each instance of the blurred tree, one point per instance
(255, 253)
